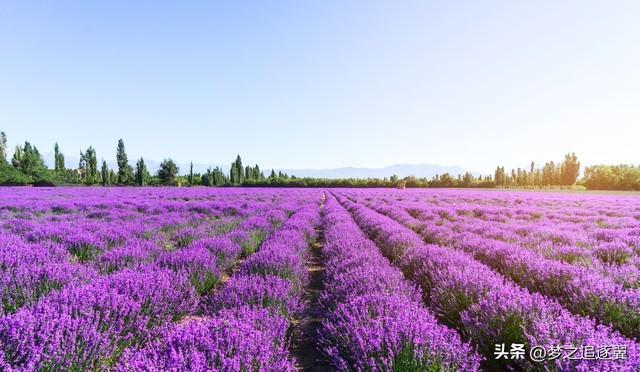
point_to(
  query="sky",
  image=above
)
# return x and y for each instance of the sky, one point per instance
(324, 84)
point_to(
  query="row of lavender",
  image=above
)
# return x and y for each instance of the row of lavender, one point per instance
(583, 290)
(484, 306)
(610, 251)
(601, 232)
(244, 324)
(69, 311)
(374, 319)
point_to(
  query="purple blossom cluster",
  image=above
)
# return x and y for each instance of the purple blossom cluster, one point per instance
(29, 271)
(241, 339)
(268, 292)
(85, 327)
(374, 318)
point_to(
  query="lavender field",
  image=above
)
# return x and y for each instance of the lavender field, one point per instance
(248, 279)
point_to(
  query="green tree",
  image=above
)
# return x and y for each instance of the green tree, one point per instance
(105, 179)
(27, 160)
(207, 178)
(570, 169)
(82, 165)
(499, 176)
(445, 180)
(467, 180)
(168, 172)
(532, 173)
(142, 175)
(549, 174)
(125, 171)
(3, 148)
(236, 173)
(17, 157)
(233, 173)
(10, 176)
(219, 178)
(113, 177)
(28, 167)
(58, 159)
(612, 177)
(89, 171)
(190, 178)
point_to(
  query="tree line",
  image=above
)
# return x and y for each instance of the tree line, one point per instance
(27, 167)
(551, 174)
(612, 177)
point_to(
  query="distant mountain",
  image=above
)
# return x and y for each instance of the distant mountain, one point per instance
(401, 170)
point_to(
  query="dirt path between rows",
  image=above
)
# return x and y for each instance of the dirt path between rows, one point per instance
(305, 330)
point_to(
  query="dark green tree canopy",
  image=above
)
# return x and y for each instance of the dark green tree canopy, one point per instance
(105, 178)
(237, 172)
(168, 172)
(141, 174)
(27, 159)
(88, 166)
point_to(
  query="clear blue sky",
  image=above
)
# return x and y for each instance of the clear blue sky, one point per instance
(304, 84)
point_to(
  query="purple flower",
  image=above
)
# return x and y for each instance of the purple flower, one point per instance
(262, 292)
(234, 340)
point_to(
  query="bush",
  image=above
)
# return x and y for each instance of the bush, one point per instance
(9, 176)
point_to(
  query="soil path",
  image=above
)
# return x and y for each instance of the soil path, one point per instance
(305, 329)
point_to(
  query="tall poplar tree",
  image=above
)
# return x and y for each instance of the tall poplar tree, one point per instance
(58, 159)
(105, 178)
(125, 172)
(190, 174)
(236, 173)
(141, 175)
(3, 148)
(90, 173)
(82, 166)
